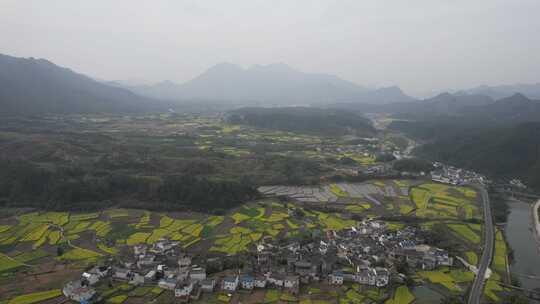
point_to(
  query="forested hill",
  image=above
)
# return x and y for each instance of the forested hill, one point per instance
(33, 86)
(304, 120)
(503, 151)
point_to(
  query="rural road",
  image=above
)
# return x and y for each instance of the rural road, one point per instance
(477, 288)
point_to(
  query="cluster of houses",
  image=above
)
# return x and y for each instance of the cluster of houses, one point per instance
(365, 254)
(455, 176)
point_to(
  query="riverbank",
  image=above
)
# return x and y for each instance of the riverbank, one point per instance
(522, 238)
(536, 221)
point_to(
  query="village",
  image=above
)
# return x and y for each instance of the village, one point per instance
(456, 176)
(366, 254)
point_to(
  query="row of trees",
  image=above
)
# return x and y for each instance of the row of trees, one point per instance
(24, 184)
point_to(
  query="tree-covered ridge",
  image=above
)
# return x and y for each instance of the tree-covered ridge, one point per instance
(33, 86)
(304, 120)
(502, 151)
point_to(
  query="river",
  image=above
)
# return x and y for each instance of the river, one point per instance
(521, 239)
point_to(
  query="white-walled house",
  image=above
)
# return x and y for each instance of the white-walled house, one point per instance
(183, 289)
(230, 283)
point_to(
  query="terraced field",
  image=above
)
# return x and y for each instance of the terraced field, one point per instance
(341, 192)
(465, 232)
(446, 202)
(36, 297)
(451, 280)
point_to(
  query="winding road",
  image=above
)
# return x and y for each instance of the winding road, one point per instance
(477, 288)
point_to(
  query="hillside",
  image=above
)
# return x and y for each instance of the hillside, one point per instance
(270, 84)
(503, 151)
(304, 120)
(514, 109)
(32, 86)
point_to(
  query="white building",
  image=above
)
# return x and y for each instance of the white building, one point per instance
(198, 274)
(382, 277)
(169, 283)
(291, 282)
(208, 285)
(276, 279)
(247, 282)
(136, 279)
(91, 278)
(122, 274)
(336, 278)
(230, 283)
(78, 291)
(183, 289)
(260, 282)
(150, 276)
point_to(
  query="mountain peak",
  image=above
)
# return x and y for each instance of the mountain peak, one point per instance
(519, 96)
(275, 67)
(441, 98)
(515, 98)
(276, 83)
(391, 89)
(444, 95)
(225, 67)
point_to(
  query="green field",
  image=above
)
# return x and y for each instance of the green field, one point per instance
(449, 279)
(472, 258)
(444, 201)
(338, 191)
(492, 288)
(402, 295)
(80, 254)
(137, 238)
(36, 297)
(30, 256)
(499, 257)
(465, 232)
(7, 263)
(272, 296)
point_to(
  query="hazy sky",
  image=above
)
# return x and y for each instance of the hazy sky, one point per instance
(420, 45)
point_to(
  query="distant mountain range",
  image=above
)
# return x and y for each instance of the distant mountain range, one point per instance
(33, 86)
(497, 92)
(513, 109)
(444, 103)
(276, 84)
(29, 86)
